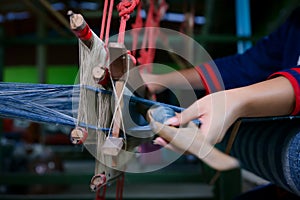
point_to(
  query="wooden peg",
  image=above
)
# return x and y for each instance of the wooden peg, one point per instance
(80, 28)
(78, 135)
(97, 181)
(98, 73)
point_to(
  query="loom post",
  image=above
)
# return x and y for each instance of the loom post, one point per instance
(118, 67)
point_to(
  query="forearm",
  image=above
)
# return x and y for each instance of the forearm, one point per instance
(192, 77)
(183, 79)
(274, 97)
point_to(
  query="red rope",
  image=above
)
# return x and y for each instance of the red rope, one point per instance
(136, 28)
(125, 8)
(111, 6)
(104, 13)
(100, 195)
(120, 187)
(147, 52)
(106, 20)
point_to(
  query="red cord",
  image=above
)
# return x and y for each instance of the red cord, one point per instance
(147, 52)
(120, 187)
(136, 28)
(106, 20)
(125, 8)
(111, 6)
(103, 19)
(100, 195)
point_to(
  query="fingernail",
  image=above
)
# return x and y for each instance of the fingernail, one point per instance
(171, 121)
(158, 141)
(155, 142)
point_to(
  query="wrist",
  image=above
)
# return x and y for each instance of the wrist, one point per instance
(237, 103)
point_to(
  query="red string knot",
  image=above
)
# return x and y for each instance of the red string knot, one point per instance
(126, 7)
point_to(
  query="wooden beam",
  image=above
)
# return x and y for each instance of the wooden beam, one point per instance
(56, 14)
(40, 14)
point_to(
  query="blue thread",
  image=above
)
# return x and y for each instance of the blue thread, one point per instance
(52, 103)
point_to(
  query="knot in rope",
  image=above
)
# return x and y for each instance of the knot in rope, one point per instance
(126, 7)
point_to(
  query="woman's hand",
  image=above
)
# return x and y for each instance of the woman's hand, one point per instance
(189, 138)
(218, 111)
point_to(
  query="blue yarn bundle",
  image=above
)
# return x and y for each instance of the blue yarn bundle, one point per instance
(50, 103)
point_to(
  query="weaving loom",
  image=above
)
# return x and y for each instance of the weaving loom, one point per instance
(268, 147)
(106, 65)
(86, 107)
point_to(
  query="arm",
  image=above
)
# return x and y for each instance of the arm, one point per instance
(276, 52)
(218, 111)
(255, 65)
(156, 83)
(233, 71)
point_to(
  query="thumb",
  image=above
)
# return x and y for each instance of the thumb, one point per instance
(165, 131)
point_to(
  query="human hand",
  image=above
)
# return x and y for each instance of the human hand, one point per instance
(189, 140)
(211, 111)
(218, 111)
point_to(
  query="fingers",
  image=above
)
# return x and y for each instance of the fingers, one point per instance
(189, 139)
(189, 114)
(160, 141)
(167, 132)
(219, 160)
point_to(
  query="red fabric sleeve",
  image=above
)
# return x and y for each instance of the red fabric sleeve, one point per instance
(210, 76)
(293, 75)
